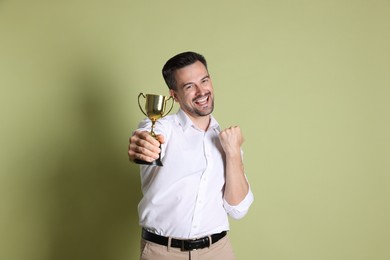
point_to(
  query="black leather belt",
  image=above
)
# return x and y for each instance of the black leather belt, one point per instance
(185, 244)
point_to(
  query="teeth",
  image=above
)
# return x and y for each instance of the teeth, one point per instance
(202, 100)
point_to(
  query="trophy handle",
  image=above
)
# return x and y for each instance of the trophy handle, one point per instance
(141, 94)
(173, 101)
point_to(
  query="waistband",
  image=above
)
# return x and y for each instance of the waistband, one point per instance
(183, 244)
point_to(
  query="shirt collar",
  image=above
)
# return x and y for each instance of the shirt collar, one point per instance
(185, 122)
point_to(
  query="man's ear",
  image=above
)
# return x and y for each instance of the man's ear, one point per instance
(173, 94)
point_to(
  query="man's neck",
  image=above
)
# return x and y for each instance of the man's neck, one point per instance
(202, 122)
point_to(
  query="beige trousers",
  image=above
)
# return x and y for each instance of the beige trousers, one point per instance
(222, 250)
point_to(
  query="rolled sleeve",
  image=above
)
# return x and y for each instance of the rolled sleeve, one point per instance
(240, 210)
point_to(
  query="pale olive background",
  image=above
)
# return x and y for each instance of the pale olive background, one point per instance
(308, 82)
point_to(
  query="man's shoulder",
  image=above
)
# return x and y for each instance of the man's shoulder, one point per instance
(168, 118)
(167, 123)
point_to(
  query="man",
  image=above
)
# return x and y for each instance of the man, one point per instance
(185, 205)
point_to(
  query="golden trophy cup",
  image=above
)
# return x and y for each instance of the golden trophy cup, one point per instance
(155, 108)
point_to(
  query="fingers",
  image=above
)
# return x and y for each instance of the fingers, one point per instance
(160, 139)
(144, 147)
(232, 133)
(143, 138)
(231, 139)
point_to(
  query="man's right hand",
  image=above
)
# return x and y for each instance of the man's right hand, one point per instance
(143, 146)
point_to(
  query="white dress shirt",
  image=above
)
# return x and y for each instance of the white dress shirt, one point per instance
(184, 198)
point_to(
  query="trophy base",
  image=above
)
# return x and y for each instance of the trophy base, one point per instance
(156, 162)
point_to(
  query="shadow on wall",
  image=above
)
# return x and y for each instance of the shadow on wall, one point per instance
(96, 190)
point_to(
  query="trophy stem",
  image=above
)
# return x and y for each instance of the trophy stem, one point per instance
(152, 133)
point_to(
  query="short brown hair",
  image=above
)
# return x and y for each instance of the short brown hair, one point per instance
(177, 62)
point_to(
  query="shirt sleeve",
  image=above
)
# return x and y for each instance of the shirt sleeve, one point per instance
(240, 210)
(144, 125)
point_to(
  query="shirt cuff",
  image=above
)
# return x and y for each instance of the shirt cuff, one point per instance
(240, 210)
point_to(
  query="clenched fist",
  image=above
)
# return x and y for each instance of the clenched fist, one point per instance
(231, 140)
(143, 146)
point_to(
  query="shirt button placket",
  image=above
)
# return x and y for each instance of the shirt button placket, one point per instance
(202, 190)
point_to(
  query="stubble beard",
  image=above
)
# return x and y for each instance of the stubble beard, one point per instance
(199, 112)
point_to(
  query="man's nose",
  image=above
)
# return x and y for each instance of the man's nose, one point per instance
(200, 90)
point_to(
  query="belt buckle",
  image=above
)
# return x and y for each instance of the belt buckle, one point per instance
(188, 241)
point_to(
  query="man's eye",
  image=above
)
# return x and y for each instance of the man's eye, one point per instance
(188, 86)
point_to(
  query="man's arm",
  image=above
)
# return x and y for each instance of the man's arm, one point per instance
(236, 184)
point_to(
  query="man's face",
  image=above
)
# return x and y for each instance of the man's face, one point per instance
(194, 90)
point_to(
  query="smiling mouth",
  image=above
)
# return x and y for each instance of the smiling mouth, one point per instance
(201, 101)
